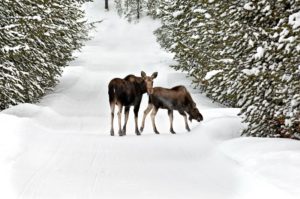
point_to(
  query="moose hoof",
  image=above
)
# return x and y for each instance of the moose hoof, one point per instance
(121, 133)
(137, 132)
(141, 129)
(172, 131)
(188, 129)
(112, 133)
(156, 131)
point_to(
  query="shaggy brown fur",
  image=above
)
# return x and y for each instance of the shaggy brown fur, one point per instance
(128, 92)
(176, 98)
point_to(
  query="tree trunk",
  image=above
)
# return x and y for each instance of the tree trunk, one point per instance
(106, 4)
(138, 9)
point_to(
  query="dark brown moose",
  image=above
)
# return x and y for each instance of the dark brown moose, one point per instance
(128, 92)
(176, 98)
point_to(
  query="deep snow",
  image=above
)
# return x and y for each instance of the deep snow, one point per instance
(61, 147)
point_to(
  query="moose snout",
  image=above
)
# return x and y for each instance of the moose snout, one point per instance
(150, 90)
(200, 118)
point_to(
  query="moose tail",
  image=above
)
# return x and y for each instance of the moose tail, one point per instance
(111, 93)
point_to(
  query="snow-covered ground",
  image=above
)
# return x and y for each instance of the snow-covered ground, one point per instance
(62, 148)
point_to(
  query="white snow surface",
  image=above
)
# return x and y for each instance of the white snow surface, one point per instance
(177, 13)
(212, 73)
(294, 20)
(62, 148)
(249, 6)
(252, 71)
(260, 51)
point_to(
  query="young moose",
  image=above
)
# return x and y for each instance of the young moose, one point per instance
(176, 98)
(128, 92)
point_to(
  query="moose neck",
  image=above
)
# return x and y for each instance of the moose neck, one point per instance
(143, 87)
(188, 110)
(140, 84)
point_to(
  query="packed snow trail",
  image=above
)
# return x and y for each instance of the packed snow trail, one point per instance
(62, 148)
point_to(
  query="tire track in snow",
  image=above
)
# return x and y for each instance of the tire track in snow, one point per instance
(96, 179)
(38, 174)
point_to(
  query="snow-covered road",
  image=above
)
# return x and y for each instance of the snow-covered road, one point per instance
(62, 148)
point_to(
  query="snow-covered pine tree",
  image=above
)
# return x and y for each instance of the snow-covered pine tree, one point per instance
(241, 53)
(165, 32)
(37, 39)
(174, 32)
(259, 80)
(274, 110)
(195, 32)
(153, 7)
(133, 10)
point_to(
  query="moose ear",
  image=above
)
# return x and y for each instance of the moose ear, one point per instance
(143, 74)
(154, 75)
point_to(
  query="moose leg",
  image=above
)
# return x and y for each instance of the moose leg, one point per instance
(127, 108)
(146, 112)
(170, 113)
(186, 123)
(119, 117)
(112, 108)
(136, 114)
(153, 114)
(185, 120)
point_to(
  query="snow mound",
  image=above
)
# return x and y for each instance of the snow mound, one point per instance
(275, 160)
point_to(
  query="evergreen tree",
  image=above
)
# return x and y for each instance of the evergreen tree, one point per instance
(133, 10)
(241, 53)
(153, 7)
(130, 9)
(37, 39)
(275, 112)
